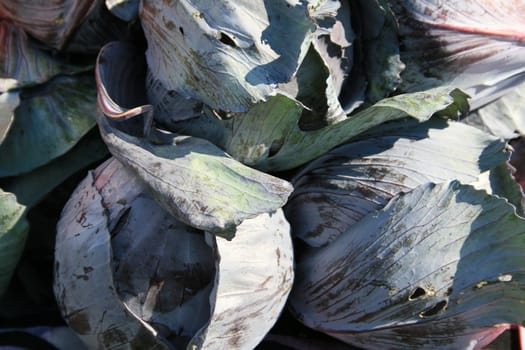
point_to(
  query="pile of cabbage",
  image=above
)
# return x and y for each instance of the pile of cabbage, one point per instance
(216, 167)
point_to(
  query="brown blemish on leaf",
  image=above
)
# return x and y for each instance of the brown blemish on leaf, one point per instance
(79, 321)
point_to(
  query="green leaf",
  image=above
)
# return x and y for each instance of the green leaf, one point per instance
(13, 232)
(31, 188)
(195, 181)
(268, 136)
(339, 188)
(50, 120)
(440, 266)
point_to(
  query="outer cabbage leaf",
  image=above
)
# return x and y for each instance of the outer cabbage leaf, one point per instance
(474, 45)
(441, 266)
(268, 136)
(13, 232)
(251, 288)
(504, 117)
(195, 181)
(338, 189)
(32, 187)
(192, 178)
(50, 24)
(196, 46)
(50, 120)
(146, 280)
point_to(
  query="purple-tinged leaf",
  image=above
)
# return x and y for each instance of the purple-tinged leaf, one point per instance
(51, 23)
(442, 266)
(475, 45)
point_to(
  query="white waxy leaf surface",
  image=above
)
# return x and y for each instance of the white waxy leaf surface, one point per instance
(475, 45)
(339, 188)
(227, 54)
(129, 276)
(438, 267)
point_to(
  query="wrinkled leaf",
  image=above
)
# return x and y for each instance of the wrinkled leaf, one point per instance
(8, 103)
(13, 232)
(220, 295)
(171, 107)
(50, 24)
(195, 47)
(268, 136)
(84, 285)
(337, 190)
(253, 280)
(438, 267)
(49, 121)
(192, 178)
(503, 184)
(22, 63)
(197, 182)
(474, 45)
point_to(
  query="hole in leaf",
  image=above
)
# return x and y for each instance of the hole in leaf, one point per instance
(226, 39)
(417, 293)
(181, 30)
(434, 310)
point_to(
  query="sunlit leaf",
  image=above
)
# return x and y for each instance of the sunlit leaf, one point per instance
(339, 188)
(441, 266)
(504, 117)
(268, 136)
(228, 55)
(192, 178)
(474, 45)
(128, 273)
